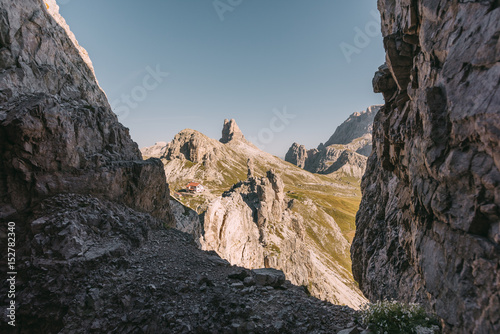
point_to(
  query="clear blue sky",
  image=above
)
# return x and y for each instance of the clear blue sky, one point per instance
(242, 60)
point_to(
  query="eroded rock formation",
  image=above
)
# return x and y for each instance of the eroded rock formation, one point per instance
(428, 228)
(189, 145)
(186, 220)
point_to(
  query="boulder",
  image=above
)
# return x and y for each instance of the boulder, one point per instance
(269, 277)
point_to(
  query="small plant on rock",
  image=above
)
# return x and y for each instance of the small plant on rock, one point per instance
(392, 317)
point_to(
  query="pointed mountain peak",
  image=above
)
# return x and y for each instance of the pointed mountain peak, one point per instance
(231, 131)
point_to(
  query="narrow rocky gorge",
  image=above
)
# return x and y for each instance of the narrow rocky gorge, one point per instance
(96, 251)
(428, 229)
(92, 251)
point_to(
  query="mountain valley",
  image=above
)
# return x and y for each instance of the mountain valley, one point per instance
(260, 211)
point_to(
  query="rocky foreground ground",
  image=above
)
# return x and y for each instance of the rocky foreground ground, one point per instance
(100, 267)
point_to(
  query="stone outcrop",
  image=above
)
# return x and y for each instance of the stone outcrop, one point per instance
(254, 226)
(191, 148)
(297, 155)
(336, 158)
(428, 228)
(345, 151)
(327, 160)
(231, 132)
(349, 163)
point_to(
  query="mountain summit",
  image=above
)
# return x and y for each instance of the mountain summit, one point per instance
(231, 131)
(358, 125)
(345, 152)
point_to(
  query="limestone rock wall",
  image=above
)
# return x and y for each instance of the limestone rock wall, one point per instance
(186, 220)
(428, 228)
(57, 131)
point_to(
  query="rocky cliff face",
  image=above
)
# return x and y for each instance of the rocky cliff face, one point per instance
(327, 160)
(71, 178)
(346, 150)
(190, 145)
(254, 226)
(186, 220)
(428, 228)
(57, 132)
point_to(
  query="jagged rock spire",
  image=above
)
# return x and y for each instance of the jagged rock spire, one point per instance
(297, 155)
(231, 131)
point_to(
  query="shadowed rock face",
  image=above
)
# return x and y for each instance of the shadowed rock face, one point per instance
(57, 132)
(428, 228)
(59, 143)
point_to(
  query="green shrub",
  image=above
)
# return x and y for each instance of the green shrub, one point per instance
(392, 317)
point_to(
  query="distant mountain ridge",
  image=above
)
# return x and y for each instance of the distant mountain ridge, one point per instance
(358, 125)
(345, 152)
